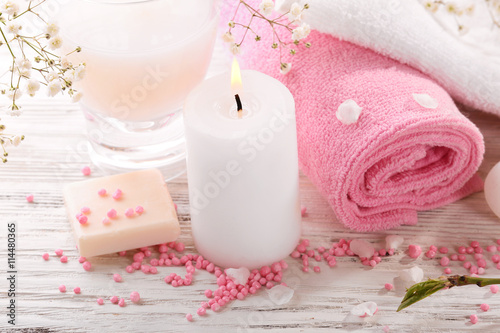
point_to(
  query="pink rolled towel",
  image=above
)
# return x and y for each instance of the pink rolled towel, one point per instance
(399, 157)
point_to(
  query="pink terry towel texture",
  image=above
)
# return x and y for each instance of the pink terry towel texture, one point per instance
(399, 158)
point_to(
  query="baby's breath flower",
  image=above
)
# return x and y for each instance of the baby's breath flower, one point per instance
(79, 72)
(462, 30)
(9, 7)
(24, 72)
(55, 42)
(76, 97)
(16, 140)
(24, 63)
(301, 32)
(65, 63)
(431, 6)
(13, 27)
(14, 93)
(266, 7)
(469, 10)
(451, 7)
(295, 13)
(235, 49)
(285, 68)
(52, 75)
(53, 88)
(32, 86)
(228, 37)
(52, 29)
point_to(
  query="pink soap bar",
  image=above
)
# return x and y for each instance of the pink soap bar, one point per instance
(157, 224)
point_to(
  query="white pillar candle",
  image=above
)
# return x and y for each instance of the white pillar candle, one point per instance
(243, 171)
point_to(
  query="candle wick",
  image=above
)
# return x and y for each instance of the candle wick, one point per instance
(239, 106)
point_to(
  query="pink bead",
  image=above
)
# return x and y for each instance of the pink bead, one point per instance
(473, 319)
(265, 270)
(305, 242)
(443, 250)
(317, 269)
(473, 269)
(481, 263)
(430, 254)
(310, 253)
(433, 248)
(447, 270)
(469, 250)
(129, 269)
(303, 211)
(82, 219)
(269, 285)
(189, 317)
(85, 210)
(373, 263)
(58, 252)
(215, 307)
(208, 293)
(462, 250)
(305, 269)
(62, 288)
(29, 198)
(122, 253)
(454, 257)
(495, 258)
(114, 299)
(332, 263)
(491, 248)
(339, 252)
(414, 251)
(390, 252)
(481, 271)
(321, 249)
(179, 247)
(388, 286)
(117, 277)
(105, 221)
(100, 301)
(382, 252)
(301, 248)
(461, 257)
(485, 307)
(295, 254)
(153, 270)
(145, 268)
(129, 212)
(136, 265)
(478, 250)
(45, 256)
(467, 265)
(81, 260)
(102, 192)
(86, 171)
(118, 194)
(77, 290)
(201, 311)
(474, 243)
(139, 210)
(138, 257)
(444, 261)
(111, 213)
(135, 297)
(87, 265)
(121, 302)
(64, 259)
(494, 289)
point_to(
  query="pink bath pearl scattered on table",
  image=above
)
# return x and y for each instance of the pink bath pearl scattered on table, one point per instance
(117, 277)
(189, 317)
(100, 301)
(139, 210)
(473, 319)
(485, 307)
(494, 289)
(81, 260)
(77, 290)
(118, 194)
(201, 311)
(414, 251)
(111, 213)
(389, 286)
(58, 252)
(87, 265)
(114, 299)
(64, 259)
(62, 288)
(102, 192)
(86, 171)
(447, 270)
(121, 302)
(29, 198)
(45, 256)
(129, 212)
(135, 297)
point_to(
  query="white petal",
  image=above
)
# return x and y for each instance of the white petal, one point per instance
(413, 275)
(362, 248)
(348, 112)
(238, 275)
(365, 309)
(280, 294)
(426, 101)
(393, 241)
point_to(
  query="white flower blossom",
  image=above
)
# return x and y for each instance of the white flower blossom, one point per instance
(228, 37)
(32, 86)
(69, 75)
(266, 7)
(52, 75)
(65, 63)
(431, 6)
(295, 13)
(13, 27)
(55, 42)
(77, 97)
(14, 113)
(53, 88)
(16, 140)
(79, 73)
(285, 68)
(14, 94)
(301, 32)
(451, 7)
(52, 29)
(235, 49)
(9, 7)
(24, 63)
(24, 72)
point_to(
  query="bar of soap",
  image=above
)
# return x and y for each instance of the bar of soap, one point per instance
(146, 188)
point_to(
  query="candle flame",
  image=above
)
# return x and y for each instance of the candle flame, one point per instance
(236, 85)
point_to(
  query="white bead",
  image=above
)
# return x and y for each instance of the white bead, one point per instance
(348, 112)
(492, 189)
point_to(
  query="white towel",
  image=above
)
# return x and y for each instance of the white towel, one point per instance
(468, 68)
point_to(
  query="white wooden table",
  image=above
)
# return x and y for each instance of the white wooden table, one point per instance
(53, 154)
